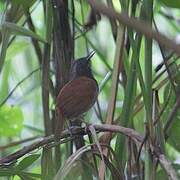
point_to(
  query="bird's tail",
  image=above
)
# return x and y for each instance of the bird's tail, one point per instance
(79, 140)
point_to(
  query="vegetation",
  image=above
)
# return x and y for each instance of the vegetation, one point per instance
(132, 132)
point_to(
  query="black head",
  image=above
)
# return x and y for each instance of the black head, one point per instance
(82, 67)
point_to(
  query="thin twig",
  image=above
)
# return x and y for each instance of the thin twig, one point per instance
(17, 85)
(141, 146)
(169, 64)
(171, 116)
(163, 109)
(159, 86)
(34, 41)
(165, 62)
(15, 143)
(98, 111)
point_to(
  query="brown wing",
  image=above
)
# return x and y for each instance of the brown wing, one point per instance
(77, 97)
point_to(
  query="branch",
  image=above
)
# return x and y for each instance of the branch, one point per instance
(135, 136)
(166, 165)
(139, 26)
(15, 143)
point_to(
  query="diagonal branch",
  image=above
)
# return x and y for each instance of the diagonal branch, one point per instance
(139, 26)
(166, 165)
(17, 85)
(135, 136)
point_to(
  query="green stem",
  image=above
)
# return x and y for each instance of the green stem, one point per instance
(148, 14)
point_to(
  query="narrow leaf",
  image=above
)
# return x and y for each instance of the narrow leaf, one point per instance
(18, 30)
(27, 161)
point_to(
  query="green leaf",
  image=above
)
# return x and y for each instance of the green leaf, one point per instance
(4, 81)
(27, 176)
(11, 120)
(74, 161)
(161, 175)
(18, 30)
(174, 138)
(16, 48)
(171, 3)
(2, 6)
(27, 161)
(47, 166)
(24, 3)
(5, 40)
(6, 172)
(35, 176)
(173, 132)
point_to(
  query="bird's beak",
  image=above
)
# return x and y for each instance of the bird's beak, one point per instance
(90, 55)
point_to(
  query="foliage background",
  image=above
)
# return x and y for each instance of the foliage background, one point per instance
(22, 50)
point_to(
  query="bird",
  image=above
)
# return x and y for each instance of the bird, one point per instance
(80, 93)
(76, 97)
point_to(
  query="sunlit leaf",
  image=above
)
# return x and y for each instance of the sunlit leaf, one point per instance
(2, 5)
(27, 161)
(24, 3)
(15, 49)
(171, 3)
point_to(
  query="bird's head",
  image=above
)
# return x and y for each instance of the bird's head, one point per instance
(82, 67)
